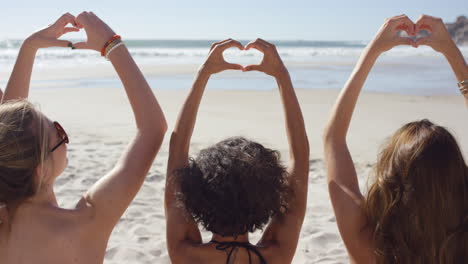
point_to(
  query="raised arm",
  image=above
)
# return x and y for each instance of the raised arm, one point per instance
(440, 41)
(179, 227)
(18, 84)
(342, 178)
(110, 196)
(283, 231)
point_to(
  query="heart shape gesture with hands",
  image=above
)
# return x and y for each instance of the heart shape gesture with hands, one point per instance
(271, 63)
(97, 32)
(49, 36)
(388, 37)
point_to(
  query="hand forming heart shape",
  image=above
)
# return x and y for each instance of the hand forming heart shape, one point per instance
(413, 31)
(97, 32)
(271, 63)
(390, 35)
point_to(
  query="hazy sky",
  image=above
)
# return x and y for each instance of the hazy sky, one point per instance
(241, 19)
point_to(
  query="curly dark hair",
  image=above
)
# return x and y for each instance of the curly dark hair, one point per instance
(234, 187)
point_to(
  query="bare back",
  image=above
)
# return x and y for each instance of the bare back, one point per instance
(51, 235)
(210, 253)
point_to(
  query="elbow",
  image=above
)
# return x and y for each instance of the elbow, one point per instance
(160, 131)
(331, 137)
(327, 135)
(155, 129)
(161, 124)
(164, 126)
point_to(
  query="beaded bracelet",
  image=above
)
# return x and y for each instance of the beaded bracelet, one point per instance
(463, 85)
(103, 50)
(113, 48)
(464, 90)
(111, 45)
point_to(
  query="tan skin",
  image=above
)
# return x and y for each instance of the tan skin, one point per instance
(279, 241)
(42, 232)
(343, 185)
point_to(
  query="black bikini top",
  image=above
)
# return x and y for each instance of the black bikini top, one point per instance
(229, 247)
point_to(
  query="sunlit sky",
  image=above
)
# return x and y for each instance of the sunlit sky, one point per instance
(241, 19)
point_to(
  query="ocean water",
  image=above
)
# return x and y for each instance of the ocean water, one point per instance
(312, 64)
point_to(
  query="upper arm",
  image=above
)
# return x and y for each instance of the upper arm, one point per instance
(347, 201)
(111, 195)
(284, 229)
(180, 227)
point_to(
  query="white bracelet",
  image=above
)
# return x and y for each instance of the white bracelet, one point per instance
(463, 83)
(113, 48)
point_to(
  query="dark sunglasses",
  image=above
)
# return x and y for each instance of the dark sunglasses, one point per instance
(61, 134)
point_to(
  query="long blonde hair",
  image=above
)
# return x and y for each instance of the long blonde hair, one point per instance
(23, 147)
(418, 206)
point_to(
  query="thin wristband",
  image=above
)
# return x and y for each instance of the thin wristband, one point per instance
(111, 45)
(463, 83)
(464, 90)
(103, 50)
(113, 48)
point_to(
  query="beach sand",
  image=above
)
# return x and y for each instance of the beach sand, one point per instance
(100, 124)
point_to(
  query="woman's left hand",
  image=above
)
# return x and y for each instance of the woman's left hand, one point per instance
(271, 63)
(49, 36)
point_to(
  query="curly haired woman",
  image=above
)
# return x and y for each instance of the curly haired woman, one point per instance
(236, 186)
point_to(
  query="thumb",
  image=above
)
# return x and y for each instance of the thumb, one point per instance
(232, 66)
(59, 43)
(423, 41)
(81, 45)
(253, 68)
(405, 41)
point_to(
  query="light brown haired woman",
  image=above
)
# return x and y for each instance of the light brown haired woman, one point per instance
(33, 153)
(417, 209)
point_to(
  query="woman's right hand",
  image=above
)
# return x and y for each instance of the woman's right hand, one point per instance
(97, 32)
(215, 62)
(388, 38)
(49, 36)
(439, 38)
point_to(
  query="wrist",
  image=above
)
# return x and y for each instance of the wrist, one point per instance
(282, 74)
(204, 71)
(451, 50)
(29, 45)
(117, 52)
(373, 50)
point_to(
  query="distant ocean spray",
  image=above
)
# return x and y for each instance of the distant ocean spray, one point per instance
(193, 52)
(312, 64)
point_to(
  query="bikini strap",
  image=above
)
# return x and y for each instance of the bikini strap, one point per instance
(231, 246)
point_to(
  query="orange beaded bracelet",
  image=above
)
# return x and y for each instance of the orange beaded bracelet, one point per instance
(103, 51)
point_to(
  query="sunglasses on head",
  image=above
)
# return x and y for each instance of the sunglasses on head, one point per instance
(62, 135)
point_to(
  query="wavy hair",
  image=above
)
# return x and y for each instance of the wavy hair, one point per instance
(418, 206)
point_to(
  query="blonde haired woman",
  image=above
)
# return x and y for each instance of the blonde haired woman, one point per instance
(33, 154)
